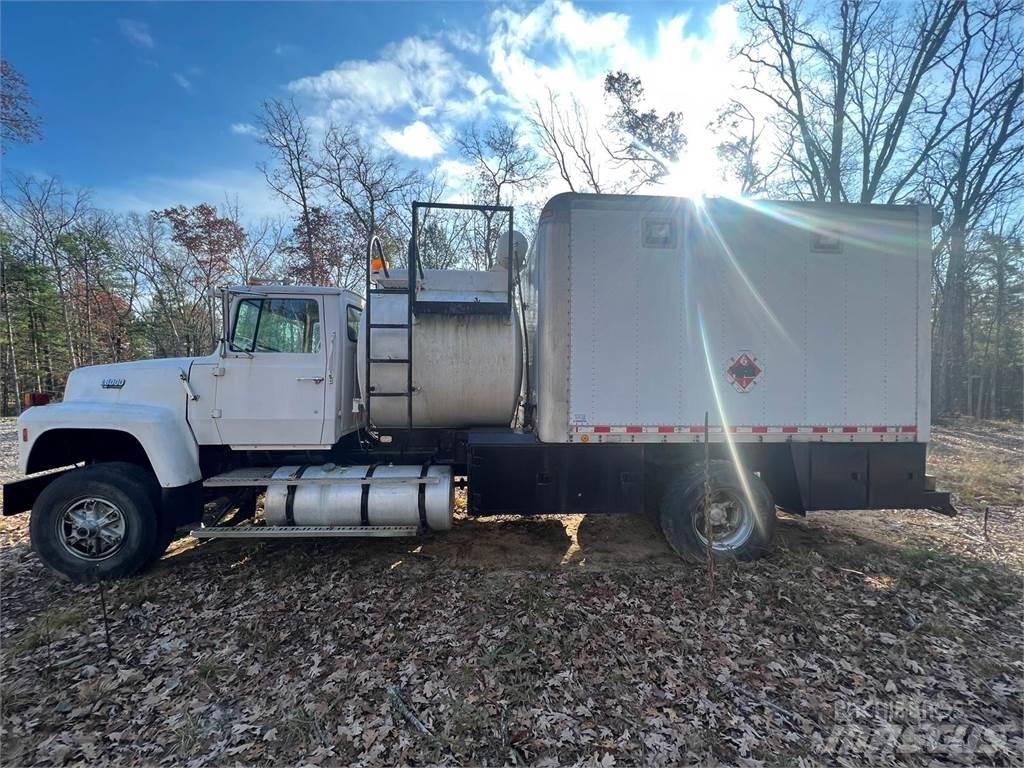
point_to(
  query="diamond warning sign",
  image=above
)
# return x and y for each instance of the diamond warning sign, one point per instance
(742, 371)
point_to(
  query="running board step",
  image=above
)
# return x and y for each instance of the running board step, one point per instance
(307, 531)
(263, 476)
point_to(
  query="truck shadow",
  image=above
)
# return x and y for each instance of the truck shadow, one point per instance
(571, 541)
(598, 541)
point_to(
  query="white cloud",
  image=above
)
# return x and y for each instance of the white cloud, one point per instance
(455, 169)
(244, 129)
(458, 177)
(413, 72)
(569, 50)
(183, 81)
(413, 81)
(416, 140)
(137, 32)
(477, 84)
(583, 32)
(464, 40)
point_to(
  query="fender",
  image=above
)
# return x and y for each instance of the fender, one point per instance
(161, 431)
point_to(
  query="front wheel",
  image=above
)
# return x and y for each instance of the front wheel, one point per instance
(97, 522)
(739, 517)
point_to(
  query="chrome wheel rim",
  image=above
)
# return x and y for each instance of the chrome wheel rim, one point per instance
(92, 529)
(732, 520)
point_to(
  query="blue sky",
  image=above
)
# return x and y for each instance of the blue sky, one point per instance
(150, 104)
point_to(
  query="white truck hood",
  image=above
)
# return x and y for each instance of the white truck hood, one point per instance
(145, 399)
(149, 382)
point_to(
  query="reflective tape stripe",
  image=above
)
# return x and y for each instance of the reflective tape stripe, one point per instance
(757, 429)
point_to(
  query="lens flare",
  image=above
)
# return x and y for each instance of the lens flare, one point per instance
(720, 407)
(707, 222)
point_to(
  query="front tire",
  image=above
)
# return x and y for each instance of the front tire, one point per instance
(741, 514)
(97, 522)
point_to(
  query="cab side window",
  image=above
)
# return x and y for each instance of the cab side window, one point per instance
(354, 313)
(277, 325)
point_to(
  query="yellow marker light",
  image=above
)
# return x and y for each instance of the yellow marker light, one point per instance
(24, 434)
(584, 438)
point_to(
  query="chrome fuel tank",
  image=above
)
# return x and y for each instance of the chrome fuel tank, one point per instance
(331, 495)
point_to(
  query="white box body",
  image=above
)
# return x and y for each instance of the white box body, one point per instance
(782, 321)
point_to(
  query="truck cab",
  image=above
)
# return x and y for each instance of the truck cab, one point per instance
(282, 378)
(284, 375)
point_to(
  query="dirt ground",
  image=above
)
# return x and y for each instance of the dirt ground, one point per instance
(885, 637)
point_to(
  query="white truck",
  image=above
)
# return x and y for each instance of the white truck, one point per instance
(576, 375)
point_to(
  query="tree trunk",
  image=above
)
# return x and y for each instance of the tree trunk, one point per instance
(65, 301)
(34, 339)
(5, 297)
(995, 399)
(949, 391)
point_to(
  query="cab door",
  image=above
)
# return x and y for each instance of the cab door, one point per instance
(271, 385)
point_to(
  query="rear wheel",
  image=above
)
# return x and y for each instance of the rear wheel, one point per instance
(97, 522)
(739, 518)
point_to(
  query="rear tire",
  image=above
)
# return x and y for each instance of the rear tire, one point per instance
(743, 518)
(97, 522)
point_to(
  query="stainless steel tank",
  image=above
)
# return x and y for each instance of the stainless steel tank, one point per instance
(467, 368)
(333, 495)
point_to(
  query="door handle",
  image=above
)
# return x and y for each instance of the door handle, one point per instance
(330, 359)
(315, 379)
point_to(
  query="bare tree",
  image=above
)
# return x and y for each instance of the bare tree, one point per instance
(294, 172)
(256, 256)
(10, 353)
(368, 189)
(48, 211)
(566, 137)
(504, 164)
(846, 79)
(503, 161)
(368, 185)
(741, 148)
(17, 122)
(999, 277)
(145, 252)
(980, 165)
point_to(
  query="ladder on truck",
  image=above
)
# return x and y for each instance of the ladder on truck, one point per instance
(372, 290)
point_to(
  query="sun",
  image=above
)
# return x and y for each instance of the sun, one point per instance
(698, 174)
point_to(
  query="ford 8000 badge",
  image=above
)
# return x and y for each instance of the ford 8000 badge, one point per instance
(113, 383)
